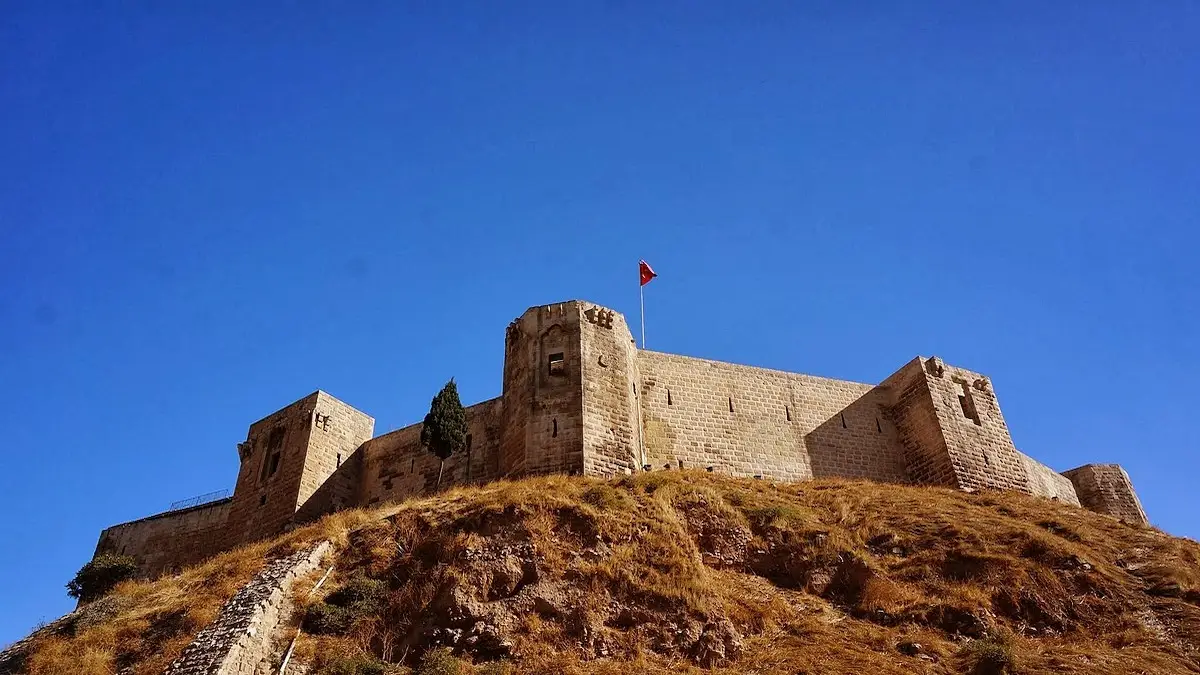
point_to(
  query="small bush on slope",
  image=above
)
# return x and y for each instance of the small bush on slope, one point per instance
(100, 575)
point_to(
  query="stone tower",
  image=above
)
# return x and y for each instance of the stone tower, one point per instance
(570, 401)
(951, 430)
(287, 461)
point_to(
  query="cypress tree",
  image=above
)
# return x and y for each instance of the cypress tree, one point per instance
(444, 431)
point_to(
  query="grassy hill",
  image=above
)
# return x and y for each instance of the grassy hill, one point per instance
(693, 572)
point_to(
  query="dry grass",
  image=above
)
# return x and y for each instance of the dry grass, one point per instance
(825, 576)
(144, 625)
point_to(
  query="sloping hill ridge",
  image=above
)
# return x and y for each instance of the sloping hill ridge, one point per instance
(679, 571)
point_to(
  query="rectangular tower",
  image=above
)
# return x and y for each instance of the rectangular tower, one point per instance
(287, 457)
(950, 427)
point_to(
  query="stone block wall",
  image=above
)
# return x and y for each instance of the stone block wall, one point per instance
(395, 466)
(543, 392)
(757, 422)
(170, 541)
(952, 430)
(1106, 488)
(1046, 482)
(272, 466)
(612, 424)
(238, 641)
(918, 429)
(337, 431)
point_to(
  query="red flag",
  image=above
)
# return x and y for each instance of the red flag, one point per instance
(645, 271)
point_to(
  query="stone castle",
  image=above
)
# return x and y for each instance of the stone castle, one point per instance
(579, 397)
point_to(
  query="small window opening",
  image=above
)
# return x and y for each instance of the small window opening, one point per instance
(843, 416)
(412, 464)
(274, 465)
(787, 410)
(262, 501)
(339, 460)
(635, 388)
(558, 366)
(669, 401)
(968, 404)
(708, 469)
(680, 462)
(730, 404)
(878, 427)
(554, 434)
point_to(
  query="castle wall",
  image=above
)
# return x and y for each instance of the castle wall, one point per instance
(172, 540)
(272, 467)
(1106, 488)
(952, 428)
(918, 429)
(337, 431)
(579, 397)
(612, 425)
(395, 466)
(700, 413)
(1046, 482)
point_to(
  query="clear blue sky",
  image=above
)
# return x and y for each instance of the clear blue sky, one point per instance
(208, 211)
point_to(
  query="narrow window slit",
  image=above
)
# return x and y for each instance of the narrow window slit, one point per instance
(669, 402)
(554, 434)
(878, 427)
(843, 416)
(787, 410)
(730, 404)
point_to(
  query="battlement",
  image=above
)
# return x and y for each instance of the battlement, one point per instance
(579, 397)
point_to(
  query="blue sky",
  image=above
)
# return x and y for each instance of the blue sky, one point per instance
(209, 211)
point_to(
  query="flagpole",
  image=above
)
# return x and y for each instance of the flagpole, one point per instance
(642, 297)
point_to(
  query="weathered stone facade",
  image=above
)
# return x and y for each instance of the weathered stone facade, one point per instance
(1106, 488)
(579, 397)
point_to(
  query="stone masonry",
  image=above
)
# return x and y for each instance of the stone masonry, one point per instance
(238, 641)
(579, 397)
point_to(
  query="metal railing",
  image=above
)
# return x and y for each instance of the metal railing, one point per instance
(200, 499)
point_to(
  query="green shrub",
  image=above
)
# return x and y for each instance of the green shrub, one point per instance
(360, 592)
(360, 597)
(326, 619)
(100, 575)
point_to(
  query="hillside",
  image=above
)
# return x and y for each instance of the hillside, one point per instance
(679, 571)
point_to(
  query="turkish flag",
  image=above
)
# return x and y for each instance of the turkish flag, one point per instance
(645, 271)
